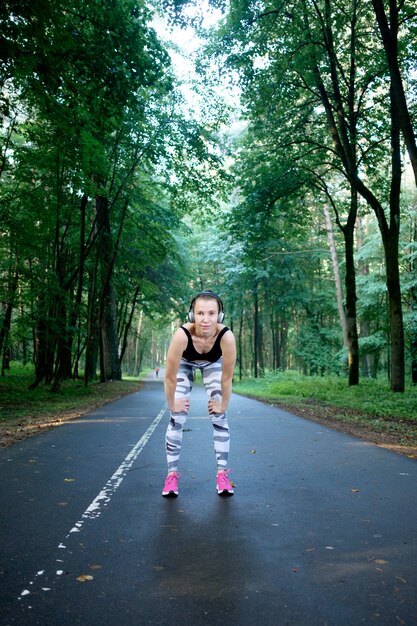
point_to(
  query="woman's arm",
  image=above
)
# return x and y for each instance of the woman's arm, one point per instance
(228, 345)
(175, 350)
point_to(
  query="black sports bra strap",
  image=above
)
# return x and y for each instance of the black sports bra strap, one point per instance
(221, 333)
(187, 332)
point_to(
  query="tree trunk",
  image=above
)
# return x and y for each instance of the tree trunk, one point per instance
(5, 327)
(261, 360)
(109, 356)
(397, 376)
(283, 342)
(128, 324)
(391, 258)
(44, 351)
(137, 344)
(63, 361)
(351, 298)
(389, 34)
(336, 275)
(413, 295)
(348, 317)
(109, 359)
(80, 283)
(90, 368)
(240, 337)
(255, 334)
(413, 348)
(273, 341)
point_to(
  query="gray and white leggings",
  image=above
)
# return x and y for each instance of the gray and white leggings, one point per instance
(212, 373)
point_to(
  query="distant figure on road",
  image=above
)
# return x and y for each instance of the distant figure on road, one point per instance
(156, 372)
(207, 344)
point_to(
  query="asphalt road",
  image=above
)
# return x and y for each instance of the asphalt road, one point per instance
(322, 529)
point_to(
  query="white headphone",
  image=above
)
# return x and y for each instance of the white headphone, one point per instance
(211, 294)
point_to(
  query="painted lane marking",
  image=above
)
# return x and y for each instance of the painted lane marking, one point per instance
(101, 501)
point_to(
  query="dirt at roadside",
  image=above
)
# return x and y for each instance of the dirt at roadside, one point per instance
(14, 430)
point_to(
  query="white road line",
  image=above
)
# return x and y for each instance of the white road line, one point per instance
(103, 498)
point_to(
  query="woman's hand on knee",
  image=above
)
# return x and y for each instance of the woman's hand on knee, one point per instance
(214, 406)
(181, 405)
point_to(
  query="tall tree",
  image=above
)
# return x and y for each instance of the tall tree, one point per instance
(322, 53)
(399, 53)
(93, 119)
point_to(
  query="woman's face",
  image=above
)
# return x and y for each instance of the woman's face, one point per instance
(206, 311)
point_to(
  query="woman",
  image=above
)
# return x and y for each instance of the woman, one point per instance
(206, 344)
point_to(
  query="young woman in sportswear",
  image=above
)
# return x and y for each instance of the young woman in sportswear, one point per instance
(203, 343)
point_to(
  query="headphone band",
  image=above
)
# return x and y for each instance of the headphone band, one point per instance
(206, 294)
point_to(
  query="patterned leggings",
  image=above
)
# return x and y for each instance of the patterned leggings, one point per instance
(211, 373)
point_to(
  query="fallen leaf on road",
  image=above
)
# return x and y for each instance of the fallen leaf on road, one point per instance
(354, 490)
(84, 578)
(380, 561)
(69, 480)
(95, 566)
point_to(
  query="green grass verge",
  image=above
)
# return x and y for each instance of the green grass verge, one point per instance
(371, 406)
(18, 402)
(370, 397)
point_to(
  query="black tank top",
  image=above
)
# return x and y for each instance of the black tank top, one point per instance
(191, 354)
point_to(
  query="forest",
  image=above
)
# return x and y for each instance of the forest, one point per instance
(282, 175)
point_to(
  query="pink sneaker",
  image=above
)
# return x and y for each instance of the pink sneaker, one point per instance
(224, 486)
(170, 489)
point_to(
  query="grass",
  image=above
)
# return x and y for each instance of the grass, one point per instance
(370, 405)
(18, 403)
(370, 397)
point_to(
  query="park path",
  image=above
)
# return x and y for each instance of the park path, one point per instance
(322, 529)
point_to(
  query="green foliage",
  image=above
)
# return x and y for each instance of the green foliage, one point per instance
(315, 89)
(101, 160)
(92, 113)
(371, 397)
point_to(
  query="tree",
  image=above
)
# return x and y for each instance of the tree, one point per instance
(97, 135)
(322, 61)
(399, 46)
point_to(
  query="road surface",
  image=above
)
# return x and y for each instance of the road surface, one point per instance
(322, 529)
